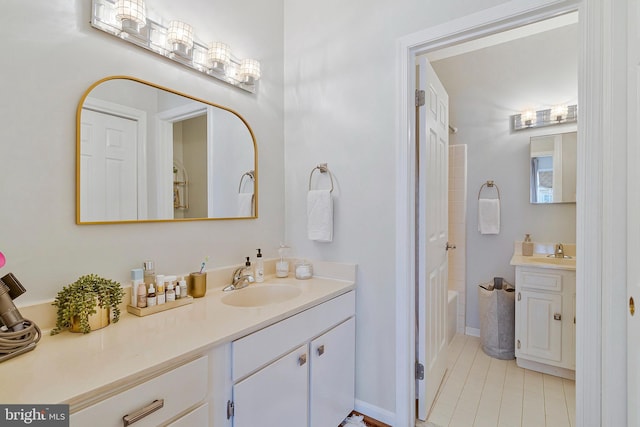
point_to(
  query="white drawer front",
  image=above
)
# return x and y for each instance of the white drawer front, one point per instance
(181, 388)
(541, 281)
(261, 347)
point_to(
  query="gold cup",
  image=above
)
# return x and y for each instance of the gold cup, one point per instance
(197, 285)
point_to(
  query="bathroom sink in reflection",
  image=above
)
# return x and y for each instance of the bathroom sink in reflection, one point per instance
(260, 295)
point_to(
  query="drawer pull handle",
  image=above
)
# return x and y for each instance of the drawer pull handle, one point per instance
(321, 350)
(557, 316)
(129, 419)
(302, 359)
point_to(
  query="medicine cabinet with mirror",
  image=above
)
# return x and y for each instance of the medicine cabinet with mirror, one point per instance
(553, 168)
(148, 153)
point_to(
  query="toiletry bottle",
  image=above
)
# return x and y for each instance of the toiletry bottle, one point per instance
(149, 273)
(176, 286)
(183, 288)
(142, 296)
(137, 276)
(160, 288)
(247, 268)
(171, 292)
(527, 246)
(259, 267)
(151, 296)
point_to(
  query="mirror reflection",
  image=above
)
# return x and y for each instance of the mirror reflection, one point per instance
(147, 153)
(553, 168)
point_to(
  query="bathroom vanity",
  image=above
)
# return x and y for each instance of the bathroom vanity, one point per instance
(286, 361)
(545, 329)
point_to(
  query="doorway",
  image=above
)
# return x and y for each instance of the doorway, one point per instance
(591, 400)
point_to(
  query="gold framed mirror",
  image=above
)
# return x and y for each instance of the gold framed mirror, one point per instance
(146, 153)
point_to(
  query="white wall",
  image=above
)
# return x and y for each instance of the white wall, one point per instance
(54, 56)
(505, 79)
(340, 93)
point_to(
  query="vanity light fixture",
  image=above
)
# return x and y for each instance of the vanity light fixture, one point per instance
(218, 56)
(180, 38)
(557, 115)
(129, 20)
(132, 14)
(249, 70)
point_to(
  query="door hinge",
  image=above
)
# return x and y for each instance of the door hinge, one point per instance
(420, 98)
(230, 409)
(518, 344)
(519, 296)
(419, 371)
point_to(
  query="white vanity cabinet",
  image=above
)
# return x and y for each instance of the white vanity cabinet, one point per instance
(545, 320)
(297, 372)
(176, 397)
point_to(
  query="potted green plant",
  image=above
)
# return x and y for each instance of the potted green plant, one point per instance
(84, 299)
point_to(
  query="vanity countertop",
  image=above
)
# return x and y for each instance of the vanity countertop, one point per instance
(544, 261)
(71, 368)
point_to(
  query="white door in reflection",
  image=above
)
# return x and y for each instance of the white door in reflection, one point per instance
(108, 183)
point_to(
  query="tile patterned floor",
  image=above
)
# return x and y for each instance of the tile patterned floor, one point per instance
(480, 391)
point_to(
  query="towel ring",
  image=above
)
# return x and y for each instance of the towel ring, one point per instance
(250, 174)
(489, 184)
(323, 168)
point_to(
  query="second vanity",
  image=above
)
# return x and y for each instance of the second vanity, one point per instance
(211, 363)
(545, 316)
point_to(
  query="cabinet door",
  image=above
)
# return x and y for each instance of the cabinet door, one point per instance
(276, 395)
(332, 375)
(540, 325)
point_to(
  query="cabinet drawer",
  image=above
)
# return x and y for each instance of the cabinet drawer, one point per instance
(181, 388)
(256, 350)
(535, 279)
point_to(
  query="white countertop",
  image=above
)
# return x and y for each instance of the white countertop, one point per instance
(544, 261)
(71, 367)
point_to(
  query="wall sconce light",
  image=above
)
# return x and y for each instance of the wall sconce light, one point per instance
(218, 56)
(180, 38)
(132, 14)
(530, 119)
(177, 41)
(249, 71)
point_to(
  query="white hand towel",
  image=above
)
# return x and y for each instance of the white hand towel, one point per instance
(489, 216)
(320, 215)
(245, 204)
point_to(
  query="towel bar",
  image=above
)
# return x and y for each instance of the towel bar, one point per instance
(323, 168)
(489, 184)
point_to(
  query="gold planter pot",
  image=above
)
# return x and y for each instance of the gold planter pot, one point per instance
(99, 320)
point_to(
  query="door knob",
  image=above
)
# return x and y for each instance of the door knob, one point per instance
(449, 246)
(557, 316)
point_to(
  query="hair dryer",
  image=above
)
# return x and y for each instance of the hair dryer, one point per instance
(21, 335)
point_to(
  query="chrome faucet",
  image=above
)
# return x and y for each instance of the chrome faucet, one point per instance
(559, 251)
(242, 277)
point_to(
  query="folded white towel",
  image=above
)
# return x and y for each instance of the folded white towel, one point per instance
(320, 215)
(489, 216)
(245, 204)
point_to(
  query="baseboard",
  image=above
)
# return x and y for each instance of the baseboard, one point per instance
(474, 332)
(378, 414)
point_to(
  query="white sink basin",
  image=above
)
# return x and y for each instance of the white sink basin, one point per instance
(260, 295)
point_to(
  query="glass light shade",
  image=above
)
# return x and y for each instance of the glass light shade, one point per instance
(528, 117)
(132, 14)
(249, 70)
(218, 55)
(559, 112)
(181, 33)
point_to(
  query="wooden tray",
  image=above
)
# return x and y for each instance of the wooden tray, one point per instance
(158, 308)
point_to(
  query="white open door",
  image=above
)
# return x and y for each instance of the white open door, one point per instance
(432, 233)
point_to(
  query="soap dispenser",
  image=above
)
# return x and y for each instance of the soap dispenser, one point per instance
(527, 246)
(259, 267)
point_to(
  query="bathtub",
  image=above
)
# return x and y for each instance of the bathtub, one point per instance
(452, 314)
